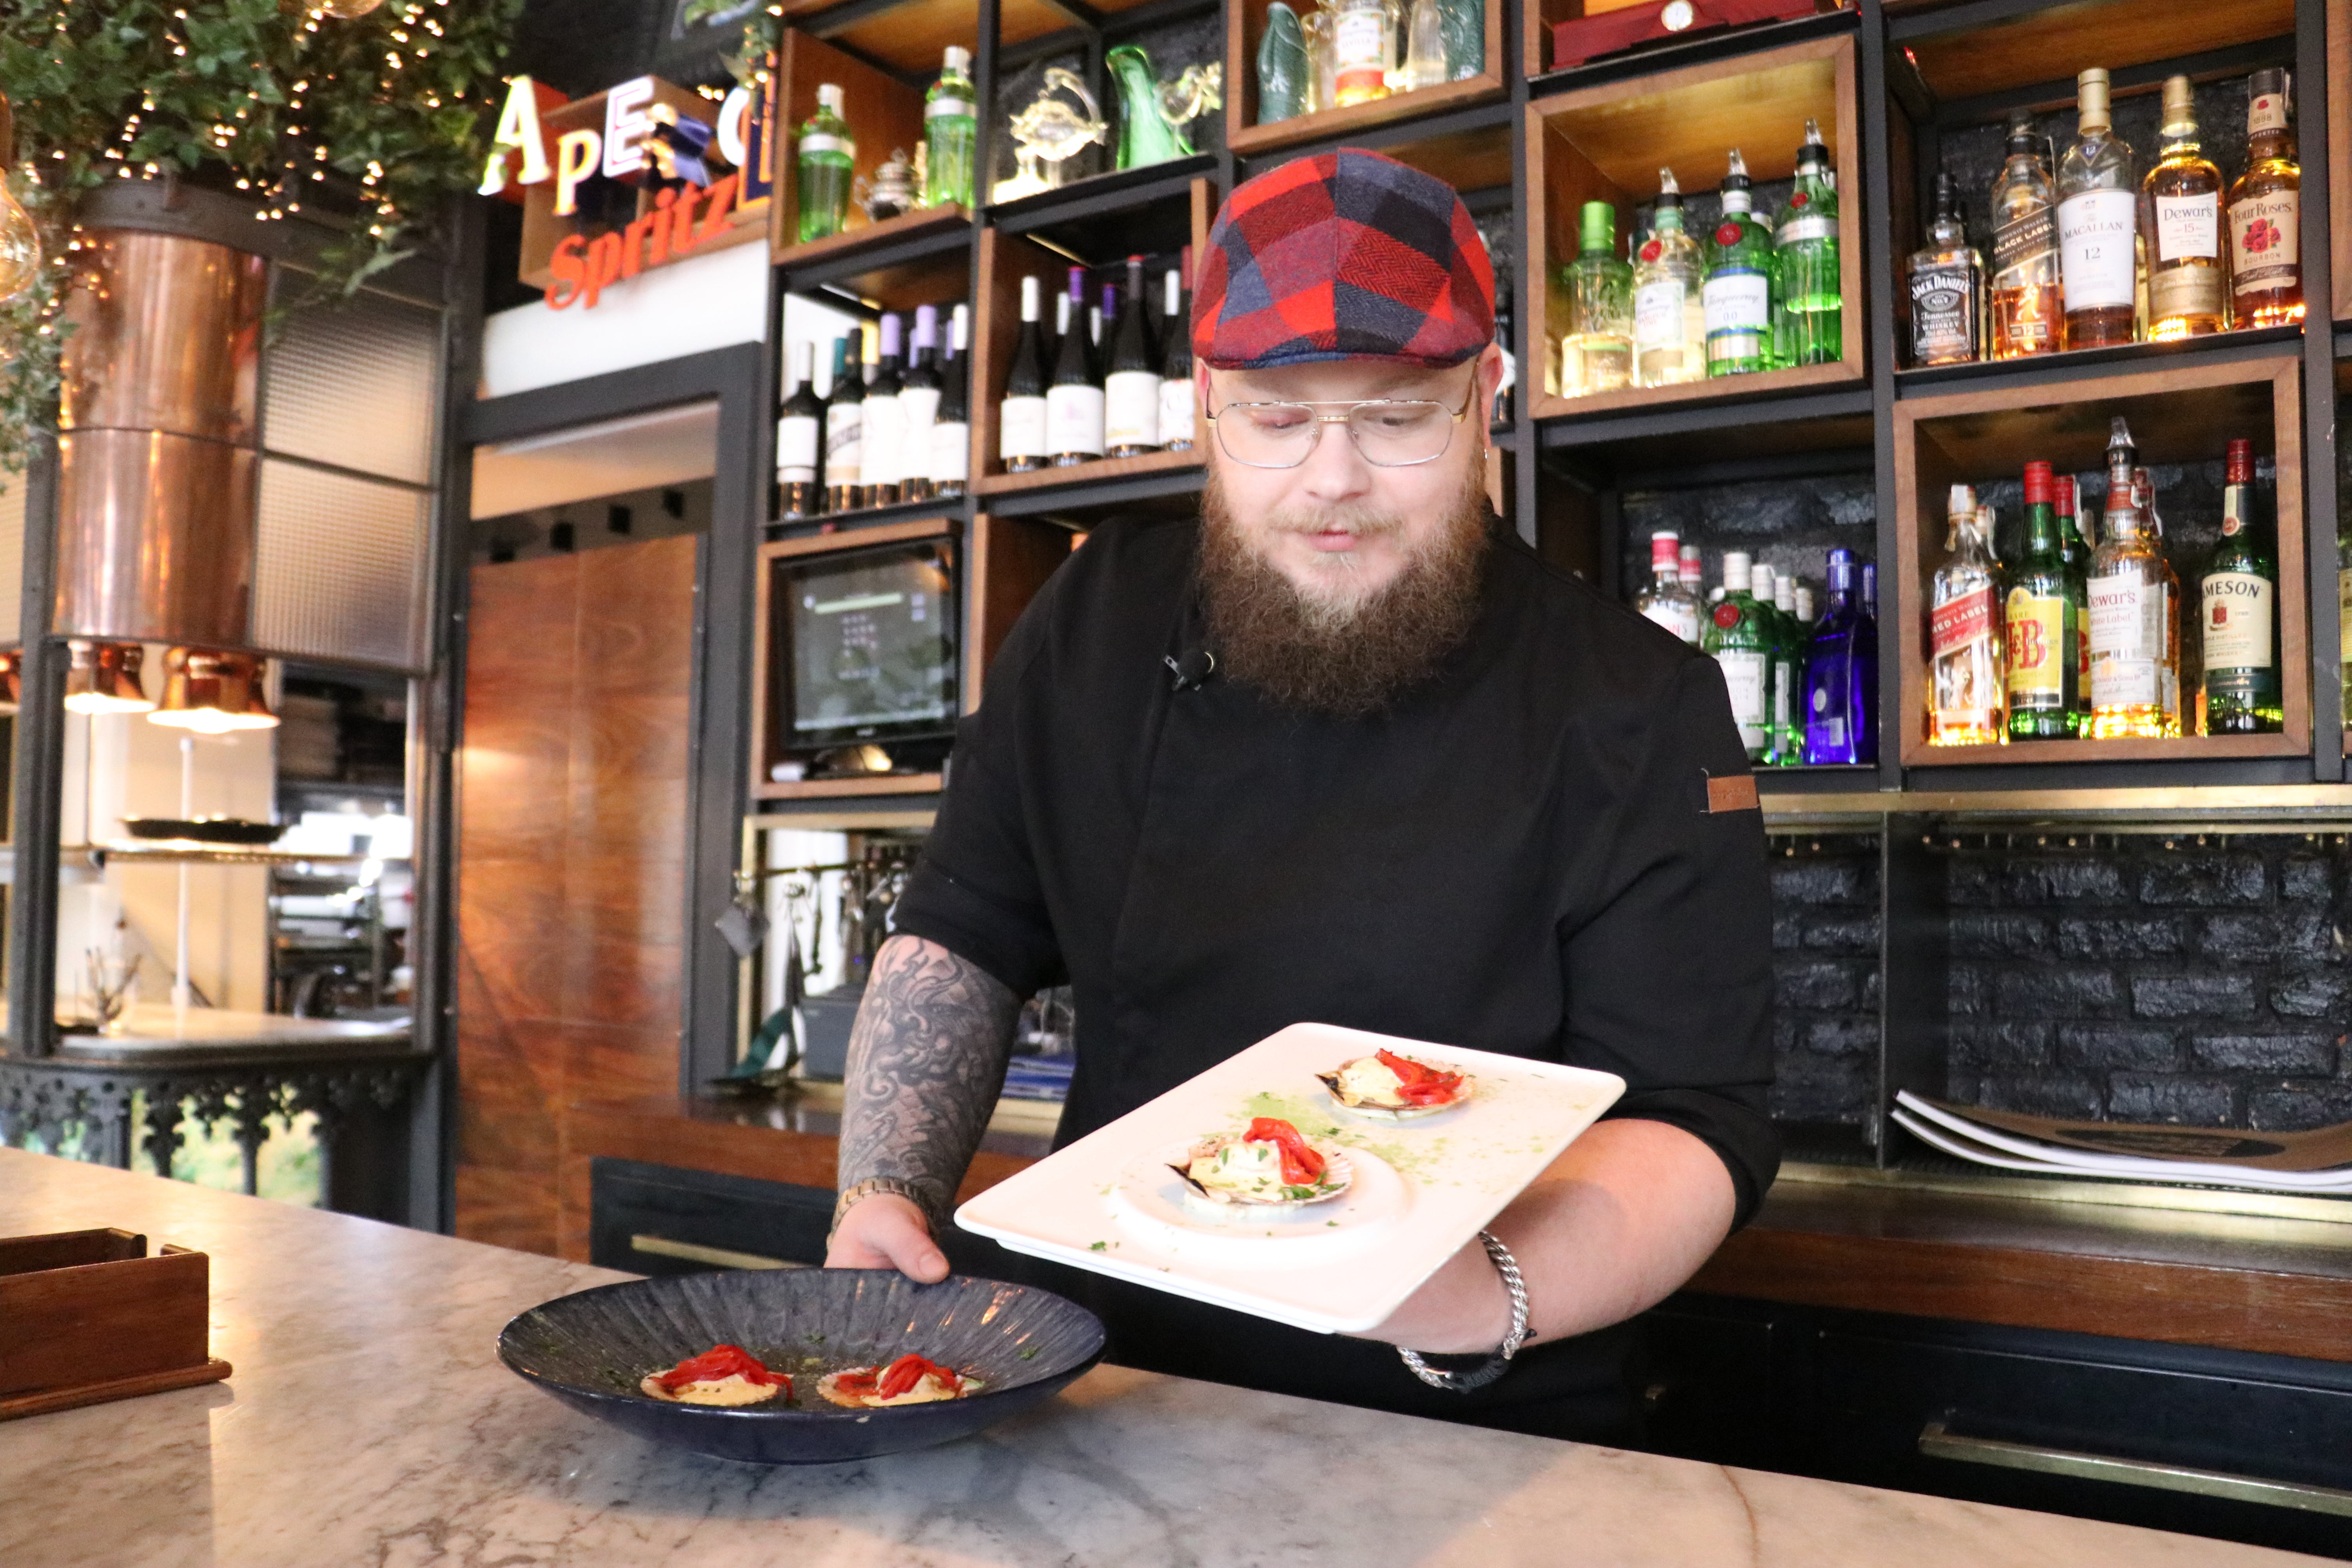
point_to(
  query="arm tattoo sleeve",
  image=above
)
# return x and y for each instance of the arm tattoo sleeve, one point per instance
(925, 1063)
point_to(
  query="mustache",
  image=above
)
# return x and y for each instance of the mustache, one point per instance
(1349, 520)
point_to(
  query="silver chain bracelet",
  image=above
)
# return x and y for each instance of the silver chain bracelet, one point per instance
(1500, 1362)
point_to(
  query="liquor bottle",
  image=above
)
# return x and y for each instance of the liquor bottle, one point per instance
(1597, 351)
(885, 421)
(2040, 622)
(1074, 400)
(2028, 312)
(2135, 629)
(826, 155)
(1281, 67)
(2075, 547)
(1805, 607)
(1738, 293)
(2098, 222)
(1762, 582)
(2238, 596)
(1947, 286)
(1062, 298)
(1504, 413)
(1021, 417)
(1363, 45)
(799, 440)
(1669, 316)
(1840, 687)
(1690, 570)
(1424, 48)
(1966, 689)
(1176, 370)
(919, 407)
(1808, 317)
(1131, 386)
(1666, 601)
(845, 430)
(1788, 676)
(2265, 210)
(2180, 228)
(951, 132)
(950, 464)
(1735, 635)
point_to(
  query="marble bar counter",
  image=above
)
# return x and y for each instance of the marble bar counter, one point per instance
(369, 1422)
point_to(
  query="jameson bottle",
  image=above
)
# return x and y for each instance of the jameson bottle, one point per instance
(1665, 601)
(1176, 368)
(1669, 318)
(950, 131)
(1738, 294)
(2135, 629)
(1021, 417)
(1841, 690)
(2180, 228)
(1947, 286)
(2098, 223)
(2040, 622)
(1808, 317)
(2265, 210)
(2239, 598)
(2028, 317)
(845, 430)
(800, 441)
(1968, 694)
(825, 155)
(1596, 352)
(1741, 641)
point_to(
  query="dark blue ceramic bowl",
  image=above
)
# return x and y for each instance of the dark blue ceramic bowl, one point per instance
(590, 1350)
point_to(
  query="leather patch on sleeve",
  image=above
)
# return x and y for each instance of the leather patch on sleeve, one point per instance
(1736, 794)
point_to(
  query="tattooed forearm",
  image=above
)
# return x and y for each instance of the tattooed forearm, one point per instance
(925, 1063)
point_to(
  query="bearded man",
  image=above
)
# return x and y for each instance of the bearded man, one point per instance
(1345, 753)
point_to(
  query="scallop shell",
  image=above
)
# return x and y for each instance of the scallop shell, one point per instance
(1339, 1172)
(1330, 1082)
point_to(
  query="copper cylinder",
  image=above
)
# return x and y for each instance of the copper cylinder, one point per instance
(159, 467)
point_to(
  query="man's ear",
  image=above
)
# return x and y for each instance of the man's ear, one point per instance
(1489, 378)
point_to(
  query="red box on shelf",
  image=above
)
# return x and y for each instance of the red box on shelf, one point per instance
(1587, 38)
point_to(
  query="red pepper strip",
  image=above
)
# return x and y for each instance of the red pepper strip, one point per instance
(909, 1369)
(1301, 1165)
(719, 1362)
(856, 1384)
(1419, 1085)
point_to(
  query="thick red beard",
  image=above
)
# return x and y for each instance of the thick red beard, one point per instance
(1348, 660)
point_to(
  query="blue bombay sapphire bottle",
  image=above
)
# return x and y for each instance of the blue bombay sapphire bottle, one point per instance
(1841, 671)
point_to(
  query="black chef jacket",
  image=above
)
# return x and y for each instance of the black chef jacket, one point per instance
(1522, 856)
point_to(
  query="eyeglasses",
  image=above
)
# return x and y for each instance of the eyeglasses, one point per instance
(1389, 433)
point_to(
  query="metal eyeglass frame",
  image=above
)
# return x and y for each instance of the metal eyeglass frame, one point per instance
(1456, 416)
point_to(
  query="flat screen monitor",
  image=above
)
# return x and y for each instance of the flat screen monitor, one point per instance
(870, 641)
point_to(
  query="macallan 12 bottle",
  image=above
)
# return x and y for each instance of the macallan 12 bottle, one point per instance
(2097, 223)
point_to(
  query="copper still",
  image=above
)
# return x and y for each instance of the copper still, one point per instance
(159, 436)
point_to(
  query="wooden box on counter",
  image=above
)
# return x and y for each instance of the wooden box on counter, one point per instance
(87, 1316)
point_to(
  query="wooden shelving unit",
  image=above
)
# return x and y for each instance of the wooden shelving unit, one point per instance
(1246, 26)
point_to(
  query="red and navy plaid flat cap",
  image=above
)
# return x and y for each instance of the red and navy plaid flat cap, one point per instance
(1351, 255)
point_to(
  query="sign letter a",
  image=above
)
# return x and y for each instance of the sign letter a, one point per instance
(518, 132)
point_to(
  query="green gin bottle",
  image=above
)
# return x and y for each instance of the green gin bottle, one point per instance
(1739, 290)
(1741, 641)
(2042, 621)
(1596, 353)
(825, 155)
(2238, 596)
(1807, 318)
(951, 132)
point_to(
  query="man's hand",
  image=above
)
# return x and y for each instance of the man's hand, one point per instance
(887, 1231)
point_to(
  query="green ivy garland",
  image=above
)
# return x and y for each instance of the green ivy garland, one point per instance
(269, 98)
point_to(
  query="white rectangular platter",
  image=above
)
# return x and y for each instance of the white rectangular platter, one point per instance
(1421, 1190)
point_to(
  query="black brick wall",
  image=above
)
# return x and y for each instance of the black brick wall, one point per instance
(2193, 982)
(1825, 919)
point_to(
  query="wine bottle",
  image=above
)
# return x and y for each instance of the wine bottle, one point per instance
(951, 460)
(1176, 370)
(845, 430)
(1131, 388)
(918, 405)
(1021, 417)
(1073, 402)
(886, 424)
(798, 441)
